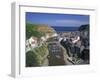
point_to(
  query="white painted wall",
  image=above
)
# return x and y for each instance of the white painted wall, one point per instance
(5, 40)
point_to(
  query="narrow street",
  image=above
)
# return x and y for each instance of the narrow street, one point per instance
(56, 56)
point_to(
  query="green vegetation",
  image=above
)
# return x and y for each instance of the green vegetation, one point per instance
(31, 59)
(43, 49)
(32, 30)
(38, 30)
(37, 56)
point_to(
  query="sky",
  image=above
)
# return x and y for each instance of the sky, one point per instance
(53, 19)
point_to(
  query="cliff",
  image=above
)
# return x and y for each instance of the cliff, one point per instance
(38, 30)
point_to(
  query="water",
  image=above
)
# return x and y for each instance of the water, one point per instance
(63, 29)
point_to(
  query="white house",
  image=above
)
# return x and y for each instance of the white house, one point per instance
(60, 39)
(43, 38)
(54, 35)
(27, 45)
(47, 36)
(31, 43)
(75, 40)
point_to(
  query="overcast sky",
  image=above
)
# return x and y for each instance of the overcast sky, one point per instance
(70, 20)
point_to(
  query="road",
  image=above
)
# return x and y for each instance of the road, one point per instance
(56, 54)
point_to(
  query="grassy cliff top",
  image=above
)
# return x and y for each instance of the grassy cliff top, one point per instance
(38, 30)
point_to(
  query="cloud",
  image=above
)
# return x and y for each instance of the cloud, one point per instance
(70, 22)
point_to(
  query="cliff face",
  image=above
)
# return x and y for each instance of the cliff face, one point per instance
(84, 27)
(37, 56)
(80, 49)
(85, 43)
(84, 34)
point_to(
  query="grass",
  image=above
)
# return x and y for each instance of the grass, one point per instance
(32, 30)
(36, 56)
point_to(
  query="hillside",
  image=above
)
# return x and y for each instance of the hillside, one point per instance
(38, 56)
(84, 27)
(38, 30)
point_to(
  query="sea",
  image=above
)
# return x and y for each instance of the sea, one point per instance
(65, 28)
